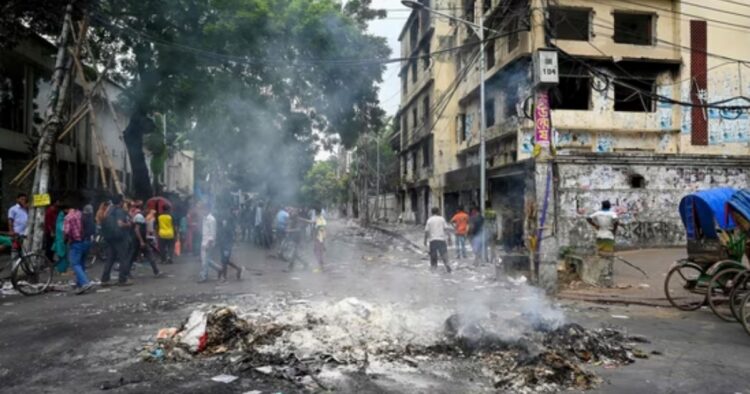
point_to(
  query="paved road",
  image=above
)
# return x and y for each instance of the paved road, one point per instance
(60, 343)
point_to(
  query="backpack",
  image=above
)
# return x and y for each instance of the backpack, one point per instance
(110, 229)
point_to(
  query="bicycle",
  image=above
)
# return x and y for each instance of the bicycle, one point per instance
(31, 273)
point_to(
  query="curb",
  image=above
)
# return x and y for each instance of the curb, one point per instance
(619, 301)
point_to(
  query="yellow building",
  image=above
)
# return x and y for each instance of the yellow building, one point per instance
(636, 117)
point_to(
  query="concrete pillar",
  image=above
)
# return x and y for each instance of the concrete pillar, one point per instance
(548, 246)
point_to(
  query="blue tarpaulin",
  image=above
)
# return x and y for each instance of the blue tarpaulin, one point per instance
(703, 211)
(740, 203)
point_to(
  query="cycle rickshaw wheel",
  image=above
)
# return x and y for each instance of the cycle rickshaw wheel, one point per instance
(744, 312)
(683, 287)
(719, 290)
(738, 293)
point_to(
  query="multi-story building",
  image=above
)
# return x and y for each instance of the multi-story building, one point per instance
(632, 117)
(427, 112)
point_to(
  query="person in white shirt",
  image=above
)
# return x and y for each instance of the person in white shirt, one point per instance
(605, 223)
(207, 245)
(436, 234)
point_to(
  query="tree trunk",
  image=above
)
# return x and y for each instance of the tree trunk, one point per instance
(139, 125)
(52, 125)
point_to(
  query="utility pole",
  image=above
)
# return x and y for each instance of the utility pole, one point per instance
(52, 125)
(482, 127)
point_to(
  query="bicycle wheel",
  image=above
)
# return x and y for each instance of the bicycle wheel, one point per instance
(744, 312)
(719, 288)
(738, 293)
(32, 274)
(683, 287)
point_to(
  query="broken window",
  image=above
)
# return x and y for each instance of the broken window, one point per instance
(426, 159)
(405, 81)
(489, 110)
(12, 94)
(461, 132)
(414, 75)
(490, 53)
(573, 92)
(426, 113)
(414, 117)
(636, 29)
(426, 56)
(512, 31)
(636, 97)
(637, 181)
(469, 10)
(570, 23)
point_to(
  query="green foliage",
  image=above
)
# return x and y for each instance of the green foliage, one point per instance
(249, 81)
(322, 187)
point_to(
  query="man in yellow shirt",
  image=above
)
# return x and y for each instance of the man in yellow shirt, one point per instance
(167, 234)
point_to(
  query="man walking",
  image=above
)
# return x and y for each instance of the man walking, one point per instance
(207, 245)
(436, 233)
(115, 229)
(141, 245)
(605, 222)
(460, 223)
(78, 246)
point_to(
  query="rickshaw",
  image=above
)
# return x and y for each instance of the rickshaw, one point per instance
(714, 251)
(738, 208)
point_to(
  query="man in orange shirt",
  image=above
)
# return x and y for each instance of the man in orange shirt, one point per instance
(460, 222)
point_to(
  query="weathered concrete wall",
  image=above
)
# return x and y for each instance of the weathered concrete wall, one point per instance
(649, 215)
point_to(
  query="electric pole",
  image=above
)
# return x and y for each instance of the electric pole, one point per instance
(52, 125)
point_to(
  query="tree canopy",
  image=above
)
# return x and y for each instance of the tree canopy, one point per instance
(254, 86)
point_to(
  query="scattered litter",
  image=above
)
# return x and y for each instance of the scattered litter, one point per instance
(224, 378)
(193, 336)
(644, 286)
(103, 290)
(165, 333)
(112, 371)
(620, 317)
(518, 281)
(254, 392)
(267, 370)
(8, 303)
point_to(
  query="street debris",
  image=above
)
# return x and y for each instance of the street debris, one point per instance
(304, 342)
(223, 378)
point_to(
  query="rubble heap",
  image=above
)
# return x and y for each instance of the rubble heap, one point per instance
(299, 341)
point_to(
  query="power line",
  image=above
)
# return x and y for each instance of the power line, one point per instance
(705, 7)
(248, 60)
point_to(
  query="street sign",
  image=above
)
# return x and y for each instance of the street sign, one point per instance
(546, 70)
(542, 124)
(42, 200)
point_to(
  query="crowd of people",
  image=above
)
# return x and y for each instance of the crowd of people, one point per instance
(122, 232)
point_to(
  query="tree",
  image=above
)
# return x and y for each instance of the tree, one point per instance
(322, 187)
(273, 74)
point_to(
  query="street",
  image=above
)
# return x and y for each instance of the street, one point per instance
(60, 343)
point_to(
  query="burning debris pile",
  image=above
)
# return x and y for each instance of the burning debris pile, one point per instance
(304, 341)
(545, 360)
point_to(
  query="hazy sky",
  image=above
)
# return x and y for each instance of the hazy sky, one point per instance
(390, 28)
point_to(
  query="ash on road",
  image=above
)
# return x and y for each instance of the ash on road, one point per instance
(374, 322)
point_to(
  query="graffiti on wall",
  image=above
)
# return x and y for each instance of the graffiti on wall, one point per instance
(723, 126)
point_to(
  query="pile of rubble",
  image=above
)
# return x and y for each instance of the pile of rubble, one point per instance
(303, 341)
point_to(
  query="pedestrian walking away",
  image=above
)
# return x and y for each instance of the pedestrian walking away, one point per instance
(141, 244)
(460, 223)
(115, 230)
(167, 234)
(436, 234)
(79, 243)
(605, 223)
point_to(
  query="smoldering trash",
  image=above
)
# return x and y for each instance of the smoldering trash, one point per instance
(317, 344)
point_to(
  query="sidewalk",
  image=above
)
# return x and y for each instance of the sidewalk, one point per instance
(631, 287)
